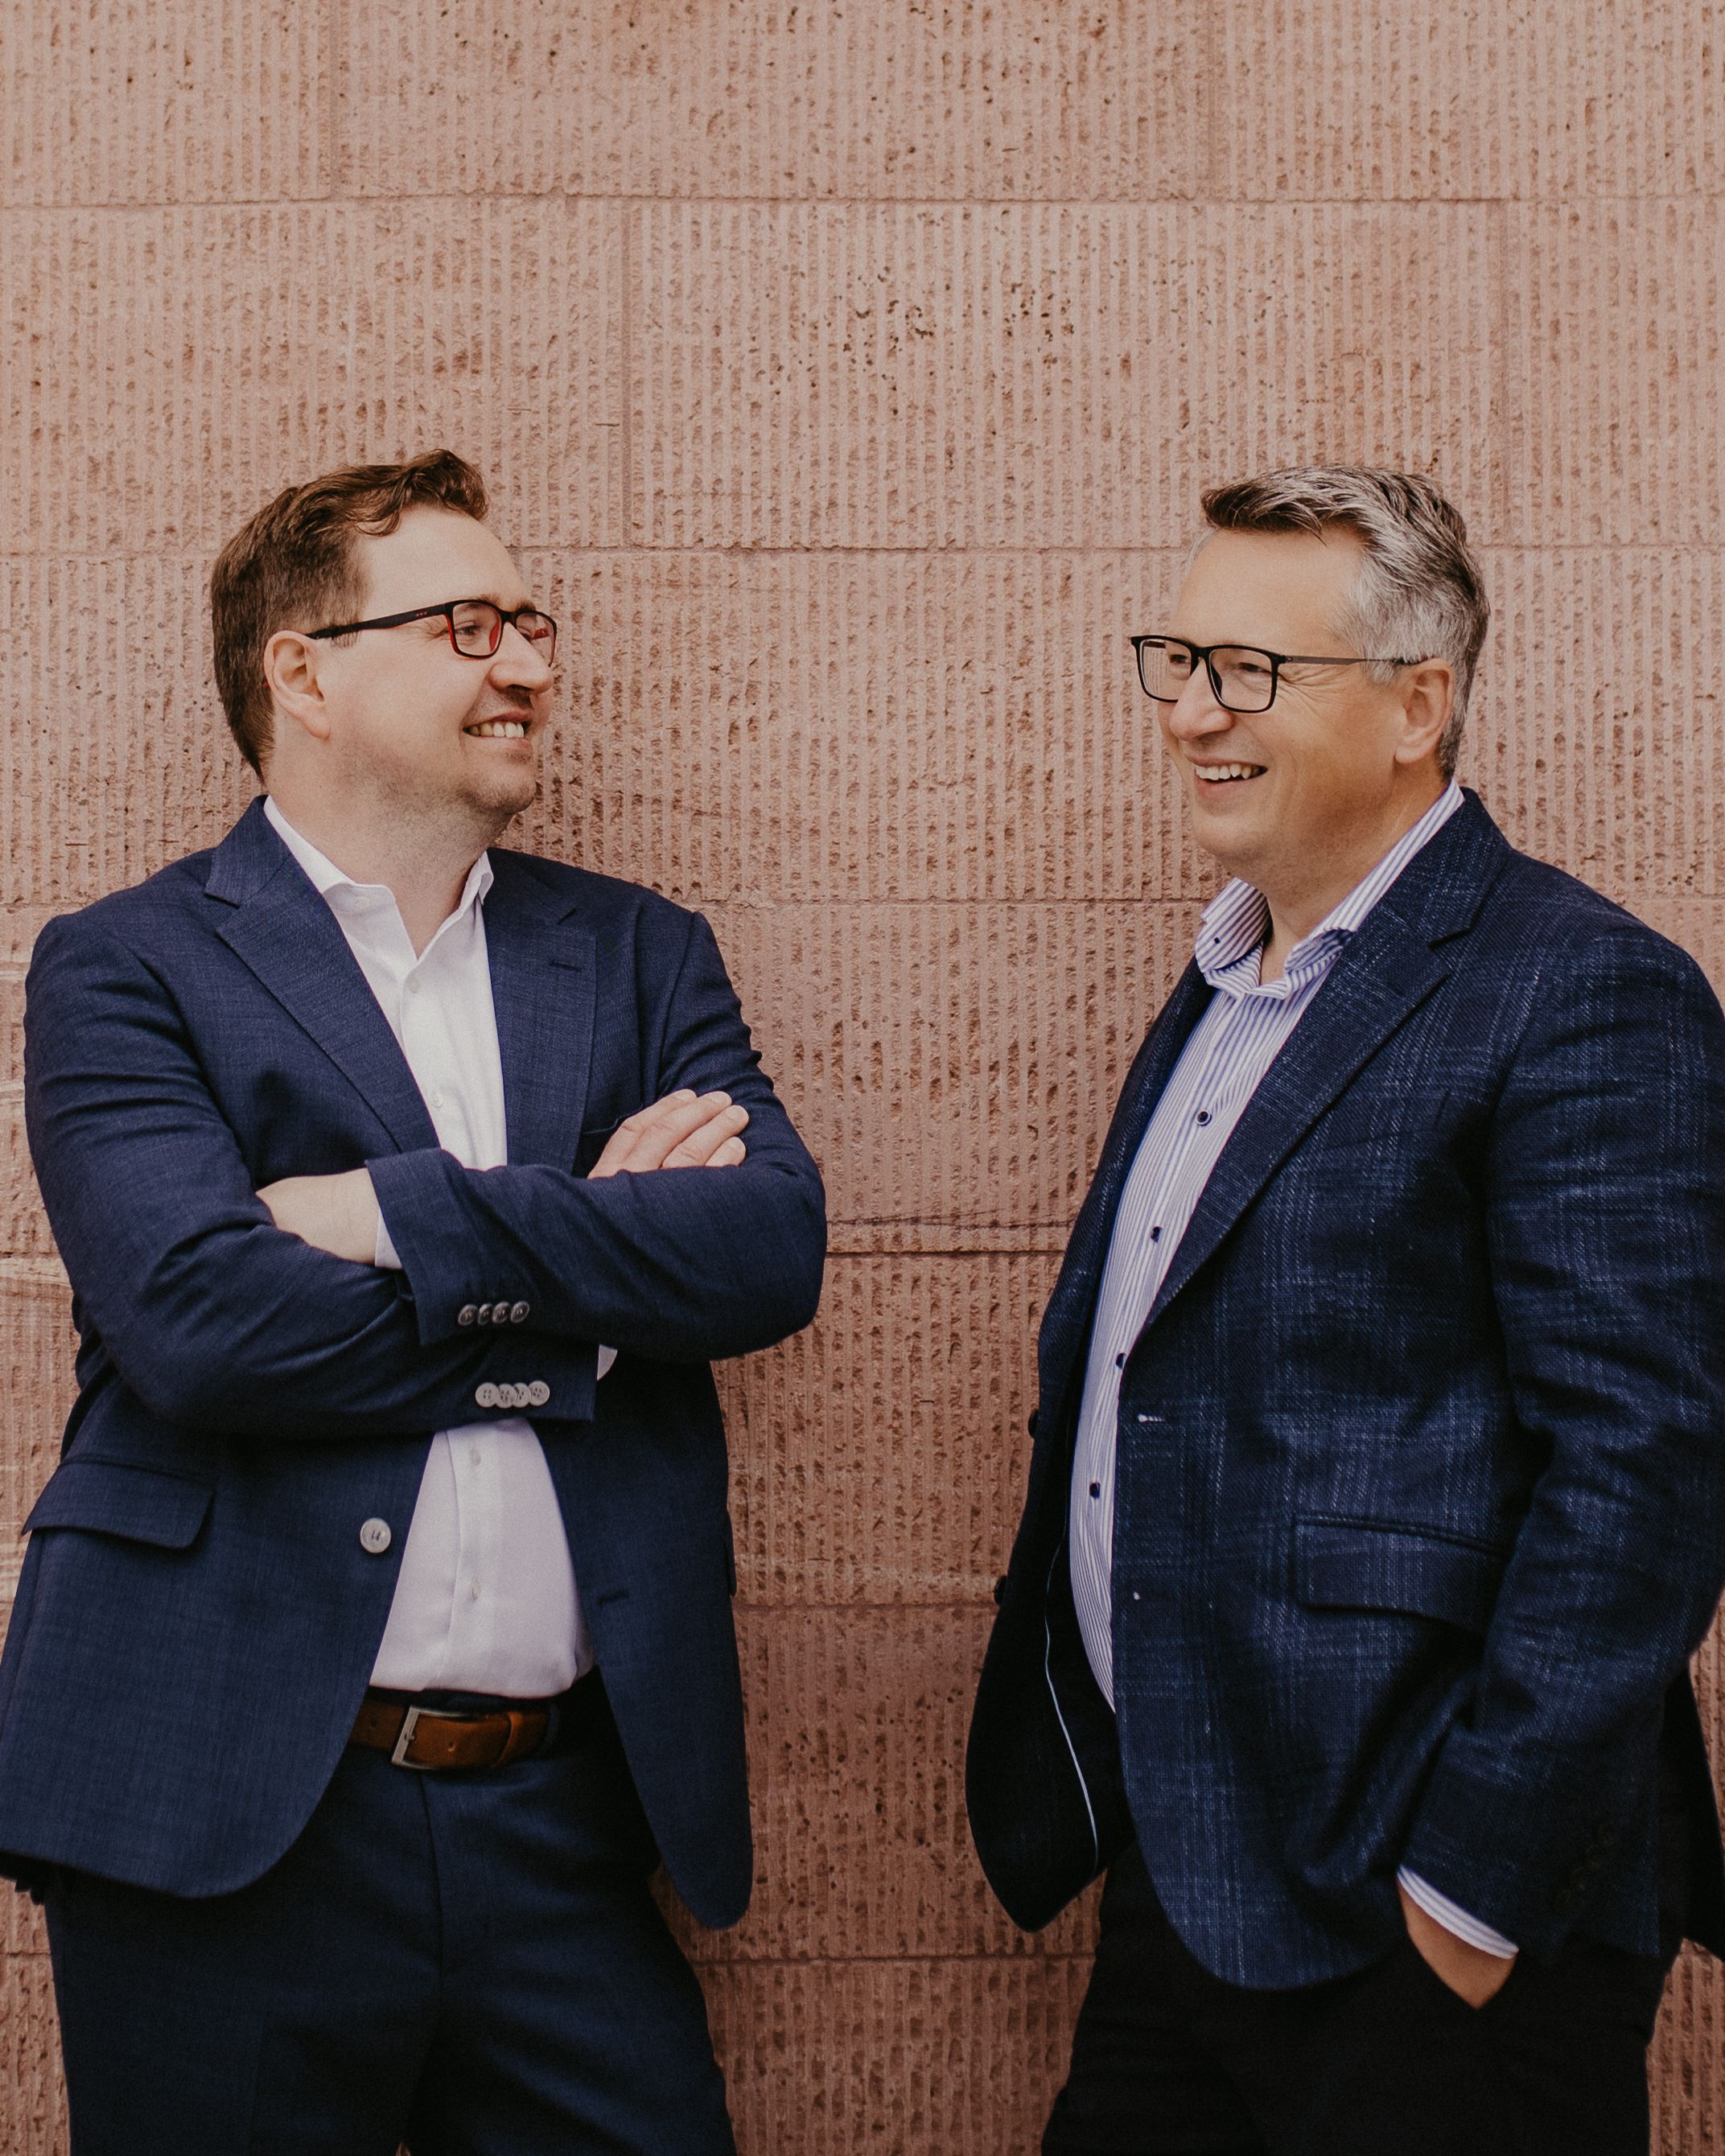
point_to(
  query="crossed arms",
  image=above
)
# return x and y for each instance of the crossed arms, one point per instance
(219, 1320)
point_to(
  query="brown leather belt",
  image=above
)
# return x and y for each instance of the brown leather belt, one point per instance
(435, 1739)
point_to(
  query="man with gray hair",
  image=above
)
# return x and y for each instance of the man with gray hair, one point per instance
(1378, 1496)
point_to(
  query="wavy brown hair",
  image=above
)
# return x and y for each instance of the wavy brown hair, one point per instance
(293, 566)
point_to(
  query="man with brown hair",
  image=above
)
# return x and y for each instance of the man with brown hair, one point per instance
(374, 1640)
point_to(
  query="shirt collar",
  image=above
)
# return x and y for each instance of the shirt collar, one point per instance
(340, 890)
(1231, 934)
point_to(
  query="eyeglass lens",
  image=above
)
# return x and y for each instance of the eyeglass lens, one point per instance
(476, 628)
(1244, 679)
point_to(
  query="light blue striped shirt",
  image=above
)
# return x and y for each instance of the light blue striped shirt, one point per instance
(1247, 1024)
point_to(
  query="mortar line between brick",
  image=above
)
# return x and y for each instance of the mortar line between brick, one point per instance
(544, 197)
(1018, 550)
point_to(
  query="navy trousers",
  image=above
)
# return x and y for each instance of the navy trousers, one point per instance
(470, 1963)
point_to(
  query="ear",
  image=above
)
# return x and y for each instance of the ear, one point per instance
(1427, 692)
(291, 670)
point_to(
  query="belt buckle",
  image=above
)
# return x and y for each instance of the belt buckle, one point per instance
(409, 1722)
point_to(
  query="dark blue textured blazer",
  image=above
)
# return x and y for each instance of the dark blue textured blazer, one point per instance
(1420, 1506)
(196, 1620)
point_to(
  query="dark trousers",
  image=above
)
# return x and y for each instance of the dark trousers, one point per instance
(1168, 2061)
(469, 1963)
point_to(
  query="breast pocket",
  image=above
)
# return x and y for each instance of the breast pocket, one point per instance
(115, 1497)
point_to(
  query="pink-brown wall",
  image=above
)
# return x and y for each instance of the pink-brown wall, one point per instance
(847, 371)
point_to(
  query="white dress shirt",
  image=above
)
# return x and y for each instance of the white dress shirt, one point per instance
(1247, 1023)
(486, 1600)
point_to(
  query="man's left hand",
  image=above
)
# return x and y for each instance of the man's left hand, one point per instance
(1470, 1973)
(334, 1213)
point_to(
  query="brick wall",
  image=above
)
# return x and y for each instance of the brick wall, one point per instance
(847, 370)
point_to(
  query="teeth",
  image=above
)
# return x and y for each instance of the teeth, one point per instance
(500, 729)
(1214, 772)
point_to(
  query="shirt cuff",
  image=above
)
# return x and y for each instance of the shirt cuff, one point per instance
(608, 1356)
(1443, 1910)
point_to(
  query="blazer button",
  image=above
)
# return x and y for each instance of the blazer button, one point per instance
(486, 1396)
(483, 1313)
(375, 1537)
(466, 1314)
(538, 1393)
(520, 1312)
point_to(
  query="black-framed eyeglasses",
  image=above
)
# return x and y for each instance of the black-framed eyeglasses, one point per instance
(475, 626)
(1242, 678)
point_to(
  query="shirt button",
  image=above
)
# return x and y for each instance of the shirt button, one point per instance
(375, 1537)
(1096, 1489)
(1156, 1234)
(413, 984)
(474, 1455)
(1120, 1360)
(520, 1312)
(437, 1099)
(466, 1314)
(473, 1592)
(1203, 1115)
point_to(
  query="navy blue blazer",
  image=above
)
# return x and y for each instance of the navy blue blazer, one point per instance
(1420, 1506)
(197, 1619)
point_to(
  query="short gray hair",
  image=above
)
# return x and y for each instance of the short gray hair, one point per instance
(1420, 594)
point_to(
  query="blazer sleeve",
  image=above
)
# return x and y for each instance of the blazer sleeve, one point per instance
(682, 1264)
(215, 1319)
(1606, 1226)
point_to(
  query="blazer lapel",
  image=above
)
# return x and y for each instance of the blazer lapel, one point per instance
(287, 935)
(544, 981)
(1388, 968)
(1066, 1323)
(1365, 997)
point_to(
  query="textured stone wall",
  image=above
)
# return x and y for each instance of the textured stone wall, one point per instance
(847, 370)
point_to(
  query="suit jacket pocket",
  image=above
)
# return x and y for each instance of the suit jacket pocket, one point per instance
(114, 1497)
(1370, 1564)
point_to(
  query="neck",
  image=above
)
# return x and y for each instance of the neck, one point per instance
(1304, 890)
(423, 860)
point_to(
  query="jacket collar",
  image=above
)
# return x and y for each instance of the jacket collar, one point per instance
(1388, 966)
(275, 921)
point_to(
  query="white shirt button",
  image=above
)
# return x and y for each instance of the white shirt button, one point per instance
(413, 984)
(474, 1455)
(473, 1592)
(375, 1537)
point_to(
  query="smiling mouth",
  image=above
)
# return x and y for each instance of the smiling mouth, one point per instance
(1226, 774)
(498, 730)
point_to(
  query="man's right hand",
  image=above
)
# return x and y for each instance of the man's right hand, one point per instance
(684, 1130)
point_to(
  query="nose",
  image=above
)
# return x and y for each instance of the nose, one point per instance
(1196, 713)
(517, 664)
